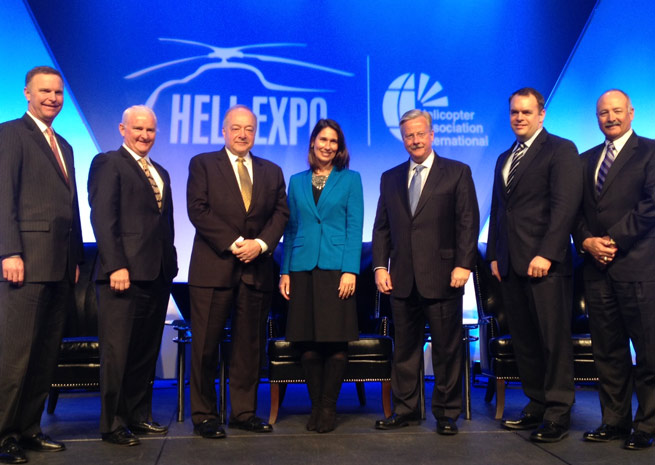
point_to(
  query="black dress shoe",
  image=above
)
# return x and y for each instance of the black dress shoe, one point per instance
(209, 429)
(398, 421)
(446, 426)
(145, 427)
(121, 436)
(525, 421)
(638, 440)
(254, 424)
(10, 452)
(42, 443)
(549, 431)
(606, 433)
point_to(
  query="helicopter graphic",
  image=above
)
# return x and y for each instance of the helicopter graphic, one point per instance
(222, 57)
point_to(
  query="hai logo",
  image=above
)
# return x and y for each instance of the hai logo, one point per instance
(405, 94)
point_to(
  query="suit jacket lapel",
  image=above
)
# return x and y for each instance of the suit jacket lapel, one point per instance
(528, 158)
(166, 191)
(332, 181)
(430, 183)
(257, 177)
(623, 157)
(498, 175)
(307, 192)
(592, 163)
(138, 171)
(40, 139)
(401, 174)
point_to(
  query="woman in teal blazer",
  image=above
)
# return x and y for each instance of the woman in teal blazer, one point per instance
(322, 249)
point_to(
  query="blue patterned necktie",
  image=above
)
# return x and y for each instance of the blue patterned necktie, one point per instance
(415, 188)
(605, 166)
(518, 153)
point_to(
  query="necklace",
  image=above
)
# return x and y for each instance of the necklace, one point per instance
(319, 181)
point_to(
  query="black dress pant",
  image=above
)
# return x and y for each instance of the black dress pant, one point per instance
(445, 320)
(130, 327)
(620, 312)
(539, 312)
(210, 309)
(32, 321)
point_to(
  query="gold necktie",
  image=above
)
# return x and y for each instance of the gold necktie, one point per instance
(153, 184)
(245, 181)
(55, 151)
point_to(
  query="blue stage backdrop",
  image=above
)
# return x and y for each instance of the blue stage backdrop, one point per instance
(361, 63)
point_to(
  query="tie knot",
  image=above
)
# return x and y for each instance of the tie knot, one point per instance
(49, 131)
(143, 162)
(419, 168)
(610, 147)
(241, 160)
(520, 147)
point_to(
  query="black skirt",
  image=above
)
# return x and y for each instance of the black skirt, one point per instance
(316, 313)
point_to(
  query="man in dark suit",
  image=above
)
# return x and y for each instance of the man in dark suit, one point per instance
(40, 249)
(535, 198)
(237, 203)
(426, 230)
(132, 217)
(616, 234)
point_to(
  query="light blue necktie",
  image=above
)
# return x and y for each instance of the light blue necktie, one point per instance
(415, 188)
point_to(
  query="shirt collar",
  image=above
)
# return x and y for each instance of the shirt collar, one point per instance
(234, 157)
(40, 124)
(136, 156)
(427, 163)
(620, 142)
(529, 142)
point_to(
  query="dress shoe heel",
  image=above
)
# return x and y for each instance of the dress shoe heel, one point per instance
(549, 431)
(638, 440)
(122, 437)
(606, 433)
(396, 421)
(42, 443)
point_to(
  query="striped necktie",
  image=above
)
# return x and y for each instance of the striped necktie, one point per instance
(605, 166)
(151, 180)
(518, 153)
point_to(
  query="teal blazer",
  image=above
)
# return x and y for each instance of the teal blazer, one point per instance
(327, 235)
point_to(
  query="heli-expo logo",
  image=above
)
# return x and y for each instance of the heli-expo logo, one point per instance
(197, 118)
(451, 127)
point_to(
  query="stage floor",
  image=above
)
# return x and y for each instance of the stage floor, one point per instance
(355, 441)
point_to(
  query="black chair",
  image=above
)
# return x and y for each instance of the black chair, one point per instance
(78, 366)
(497, 361)
(369, 358)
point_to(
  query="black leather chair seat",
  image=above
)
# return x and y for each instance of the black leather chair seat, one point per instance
(502, 347)
(368, 347)
(369, 359)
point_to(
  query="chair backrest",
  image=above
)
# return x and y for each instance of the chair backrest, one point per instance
(82, 318)
(490, 301)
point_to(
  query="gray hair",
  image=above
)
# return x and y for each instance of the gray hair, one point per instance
(413, 114)
(136, 109)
